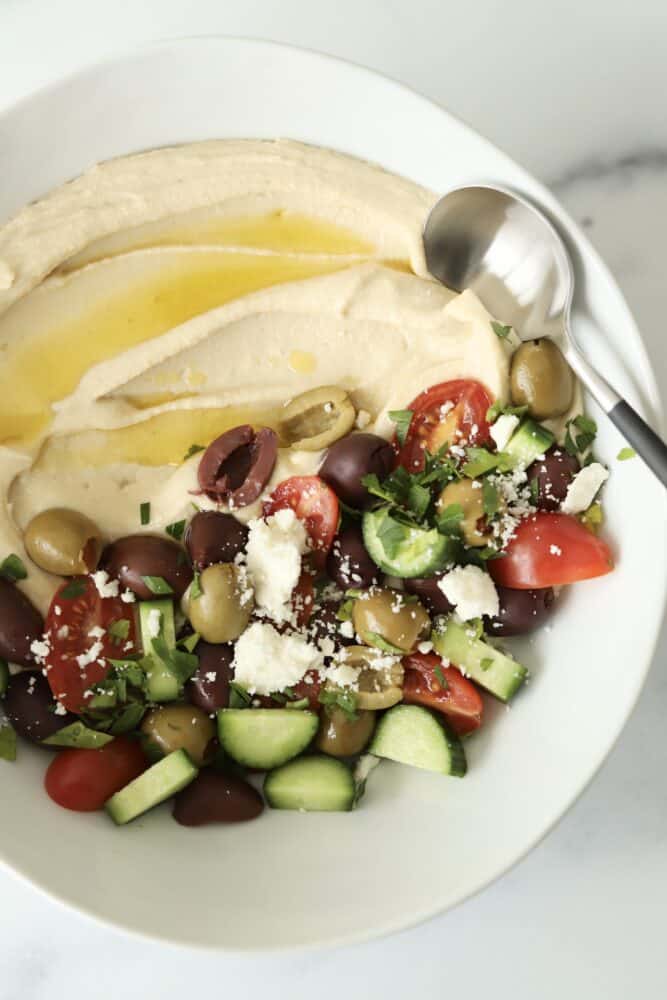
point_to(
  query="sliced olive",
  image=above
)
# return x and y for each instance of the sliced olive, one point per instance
(384, 616)
(221, 607)
(341, 736)
(315, 419)
(63, 541)
(541, 379)
(379, 678)
(208, 688)
(216, 798)
(134, 557)
(180, 727)
(348, 563)
(236, 467)
(31, 707)
(467, 493)
(214, 537)
(352, 458)
(20, 625)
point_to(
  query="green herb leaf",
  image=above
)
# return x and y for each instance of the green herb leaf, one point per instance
(192, 450)
(448, 521)
(195, 586)
(120, 629)
(238, 696)
(7, 742)
(344, 613)
(181, 664)
(500, 329)
(12, 568)
(402, 419)
(480, 461)
(78, 735)
(419, 498)
(345, 700)
(301, 703)
(189, 642)
(499, 409)
(145, 512)
(176, 530)
(486, 662)
(490, 498)
(75, 588)
(128, 718)
(626, 453)
(442, 680)
(391, 534)
(379, 641)
(578, 443)
(157, 585)
(534, 489)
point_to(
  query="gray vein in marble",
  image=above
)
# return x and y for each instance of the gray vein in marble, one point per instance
(653, 159)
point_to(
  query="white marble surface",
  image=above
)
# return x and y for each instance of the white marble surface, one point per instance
(576, 93)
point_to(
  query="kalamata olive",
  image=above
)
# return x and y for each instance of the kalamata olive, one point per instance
(429, 593)
(20, 625)
(341, 736)
(131, 558)
(222, 608)
(63, 541)
(214, 537)
(351, 458)
(208, 688)
(315, 419)
(520, 611)
(380, 684)
(216, 797)
(385, 615)
(236, 467)
(180, 727)
(468, 494)
(325, 624)
(541, 379)
(348, 563)
(553, 474)
(31, 707)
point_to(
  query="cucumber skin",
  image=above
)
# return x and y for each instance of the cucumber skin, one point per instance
(122, 812)
(457, 764)
(281, 718)
(425, 568)
(503, 678)
(280, 795)
(161, 684)
(529, 441)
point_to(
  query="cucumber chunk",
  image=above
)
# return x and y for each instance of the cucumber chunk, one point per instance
(162, 685)
(412, 735)
(265, 737)
(496, 672)
(401, 550)
(311, 784)
(528, 442)
(158, 783)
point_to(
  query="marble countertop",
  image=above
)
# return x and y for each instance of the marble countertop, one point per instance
(576, 93)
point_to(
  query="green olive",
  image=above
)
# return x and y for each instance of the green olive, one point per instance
(341, 736)
(222, 608)
(63, 541)
(467, 493)
(541, 379)
(386, 615)
(315, 419)
(379, 678)
(180, 727)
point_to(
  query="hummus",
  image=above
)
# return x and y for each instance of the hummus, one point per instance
(163, 298)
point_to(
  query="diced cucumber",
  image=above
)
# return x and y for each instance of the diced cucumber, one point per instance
(412, 735)
(528, 442)
(497, 672)
(265, 737)
(311, 784)
(161, 685)
(401, 550)
(158, 783)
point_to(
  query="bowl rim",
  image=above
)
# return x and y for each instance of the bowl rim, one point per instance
(651, 406)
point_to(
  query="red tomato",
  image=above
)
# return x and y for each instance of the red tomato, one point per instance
(83, 780)
(314, 503)
(460, 701)
(549, 550)
(431, 428)
(69, 636)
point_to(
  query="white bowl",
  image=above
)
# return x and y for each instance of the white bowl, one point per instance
(420, 843)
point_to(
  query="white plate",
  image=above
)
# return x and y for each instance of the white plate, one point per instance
(420, 843)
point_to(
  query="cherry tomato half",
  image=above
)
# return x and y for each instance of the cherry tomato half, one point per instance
(69, 637)
(314, 503)
(83, 780)
(459, 701)
(441, 411)
(549, 550)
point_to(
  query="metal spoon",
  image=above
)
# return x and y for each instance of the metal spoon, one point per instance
(501, 246)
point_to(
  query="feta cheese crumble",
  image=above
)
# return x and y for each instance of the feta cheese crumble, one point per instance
(273, 561)
(583, 489)
(266, 661)
(105, 586)
(503, 429)
(90, 655)
(471, 590)
(154, 623)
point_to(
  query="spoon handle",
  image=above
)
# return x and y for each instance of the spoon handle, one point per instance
(635, 430)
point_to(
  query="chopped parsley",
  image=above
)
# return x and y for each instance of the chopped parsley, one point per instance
(481, 460)
(485, 663)
(379, 641)
(195, 586)
(119, 629)
(626, 453)
(498, 409)
(490, 498)
(157, 585)
(238, 696)
(192, 450)
(500, 329)
(145, 512)
(75, 588)
(7, 742)
(448, 521)
(440, 677)
(579, 435)
(402, 419)
(78, 735)
(189, 642)
(12, 568)
(176, 530)
(346, 701)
